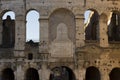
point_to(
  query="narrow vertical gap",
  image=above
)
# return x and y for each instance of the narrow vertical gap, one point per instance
(84, 3)
(116, 20)
(25, 4)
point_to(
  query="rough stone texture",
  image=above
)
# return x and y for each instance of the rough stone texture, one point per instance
(62, 46)
(77, 54)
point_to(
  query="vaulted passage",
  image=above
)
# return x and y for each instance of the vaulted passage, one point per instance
(62, 73)
(114, 27)
(31, 74)
(91, 25)
(8, 30)
(92, 73)
(8, 74)
(115, 74)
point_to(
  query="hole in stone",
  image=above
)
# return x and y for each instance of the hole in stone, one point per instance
(30, 56)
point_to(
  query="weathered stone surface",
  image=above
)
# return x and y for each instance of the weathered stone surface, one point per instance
(63, 46)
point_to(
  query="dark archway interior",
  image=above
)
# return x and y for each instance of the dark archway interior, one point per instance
(114, 27)
(30, 56)
(32, 74)
(92, 73)
(115, 74)
(62, 73)
(91, 29)
(8, 74)
(8, 35)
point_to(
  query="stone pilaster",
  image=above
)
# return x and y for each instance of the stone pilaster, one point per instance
(104, 75)
(19, 74)
(80, 37)
(45, 73)
(19, 36)
(103, 30)
(80, 74)
(44, 32)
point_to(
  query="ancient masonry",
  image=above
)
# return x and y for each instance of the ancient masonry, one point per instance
(68, 48)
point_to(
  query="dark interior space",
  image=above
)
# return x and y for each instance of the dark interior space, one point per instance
(115, 74)
(8, 34)
(91, 29)
(62, 73)
(92, 73)
(8, 74)
(114, 27)
(32, 74)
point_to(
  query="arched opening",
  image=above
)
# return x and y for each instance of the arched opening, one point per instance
(8, 74)
(92, 73)
(114, 27)
(63, 16)
(31, 74)
(8, 30)
(115, 74)
(62, 73)
(30, 56)
(32, 26)
(91, 25)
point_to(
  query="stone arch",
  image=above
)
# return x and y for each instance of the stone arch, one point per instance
(7, 29)
(30, 23)
(115, 74)
(62, 15)
(114, 26)
(4, 11)
(92, 26)
(92, 73)
(30, 65)
(27, 11)
(62, 73)
(8, 74)
(31, 74)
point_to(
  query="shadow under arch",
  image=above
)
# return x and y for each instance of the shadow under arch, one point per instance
(114, 27)
(62, 15)
(92, 25)
(31, 74)
(8, 74)
(62, 73)
(92, 73)
(8, 29)
(115, 74)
